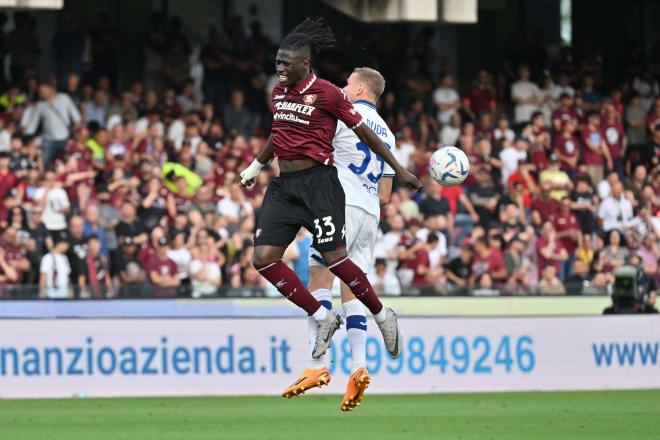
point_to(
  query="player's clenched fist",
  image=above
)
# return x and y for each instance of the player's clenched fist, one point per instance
(409, 180)
(249, 175)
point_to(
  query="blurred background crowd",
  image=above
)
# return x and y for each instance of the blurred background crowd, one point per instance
(128, 189)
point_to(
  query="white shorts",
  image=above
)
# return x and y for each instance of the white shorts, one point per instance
(361, 231)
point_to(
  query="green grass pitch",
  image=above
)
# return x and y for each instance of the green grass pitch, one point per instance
(537, 416)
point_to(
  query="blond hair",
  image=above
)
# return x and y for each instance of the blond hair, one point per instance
(372, 79)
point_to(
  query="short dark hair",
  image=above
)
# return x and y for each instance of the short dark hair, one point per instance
(311, 35)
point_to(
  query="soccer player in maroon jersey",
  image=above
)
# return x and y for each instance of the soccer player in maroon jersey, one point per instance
(308, 192)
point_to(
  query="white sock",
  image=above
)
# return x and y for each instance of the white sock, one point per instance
(313, 328)
(356, 329)
(381, 316)
(320, 314)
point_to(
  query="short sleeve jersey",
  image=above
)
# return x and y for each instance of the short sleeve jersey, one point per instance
(359, 169)
(305, 119)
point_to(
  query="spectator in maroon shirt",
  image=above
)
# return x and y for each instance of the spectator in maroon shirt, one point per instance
(15, 253)
(487, 260)
(564, 113)
(653, 119)
(568, 233)
(596, 154)
(98, 270)
(615, 137)
(485, 128)
(549, 250)
(8, 274)
(420, 262)
(540, 135)
(481, 98)
(544, 206)
(567, 147)
(8, 180)
(163, 272)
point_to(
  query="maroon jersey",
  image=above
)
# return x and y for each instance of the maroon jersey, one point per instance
(564, 115)
(492, 262)
(305, 119)
(8, 181)
(592, 157)
(567, 147)
(566, 222)
(542, 261)
(13, 253)
(163, 267)
(613, 134)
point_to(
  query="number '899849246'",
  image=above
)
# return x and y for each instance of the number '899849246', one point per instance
(444, 355)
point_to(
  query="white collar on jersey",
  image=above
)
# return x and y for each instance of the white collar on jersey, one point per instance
(312, 77)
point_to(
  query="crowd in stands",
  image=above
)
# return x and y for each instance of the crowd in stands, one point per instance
(129, 192)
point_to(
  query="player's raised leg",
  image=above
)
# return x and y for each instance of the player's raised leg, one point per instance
(347, 271)
(356, 329)
(268, 262)
(316, 374)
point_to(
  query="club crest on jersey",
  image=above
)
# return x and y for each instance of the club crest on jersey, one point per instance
(309, 99)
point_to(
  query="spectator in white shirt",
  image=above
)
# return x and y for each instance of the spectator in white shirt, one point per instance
(604, 187)
(384, 281)
(511, 156)
(503, 132)
(234, 206)
(405, 147)
(97, 108)
(526, 95)
(54, 271)
(205, 271)
(179, 253)
(446, 99)
(55, 113)
(55, 203)
(616, 211)
(450, 132)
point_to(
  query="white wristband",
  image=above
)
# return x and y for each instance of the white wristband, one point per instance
(251, 172)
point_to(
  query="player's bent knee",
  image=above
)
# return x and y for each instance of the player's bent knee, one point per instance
(334, 256)
(265, 255)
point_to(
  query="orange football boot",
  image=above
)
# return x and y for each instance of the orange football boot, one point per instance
(308, 379)
(357, 385)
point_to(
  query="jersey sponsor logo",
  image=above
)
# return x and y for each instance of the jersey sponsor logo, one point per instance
(290, 117)
(309, 99)
(372, 190)
(257, 233)
(279, 96)
(295, 107)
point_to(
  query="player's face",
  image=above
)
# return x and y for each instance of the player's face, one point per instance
(291, 67)
(352, 87)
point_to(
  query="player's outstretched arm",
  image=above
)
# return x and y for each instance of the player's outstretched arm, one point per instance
(385, 190)
(376, 145)
(249, 175)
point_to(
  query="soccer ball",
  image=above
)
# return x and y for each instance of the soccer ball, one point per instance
(449, 166)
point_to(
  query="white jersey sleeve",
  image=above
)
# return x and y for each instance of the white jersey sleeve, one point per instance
(359, 169)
